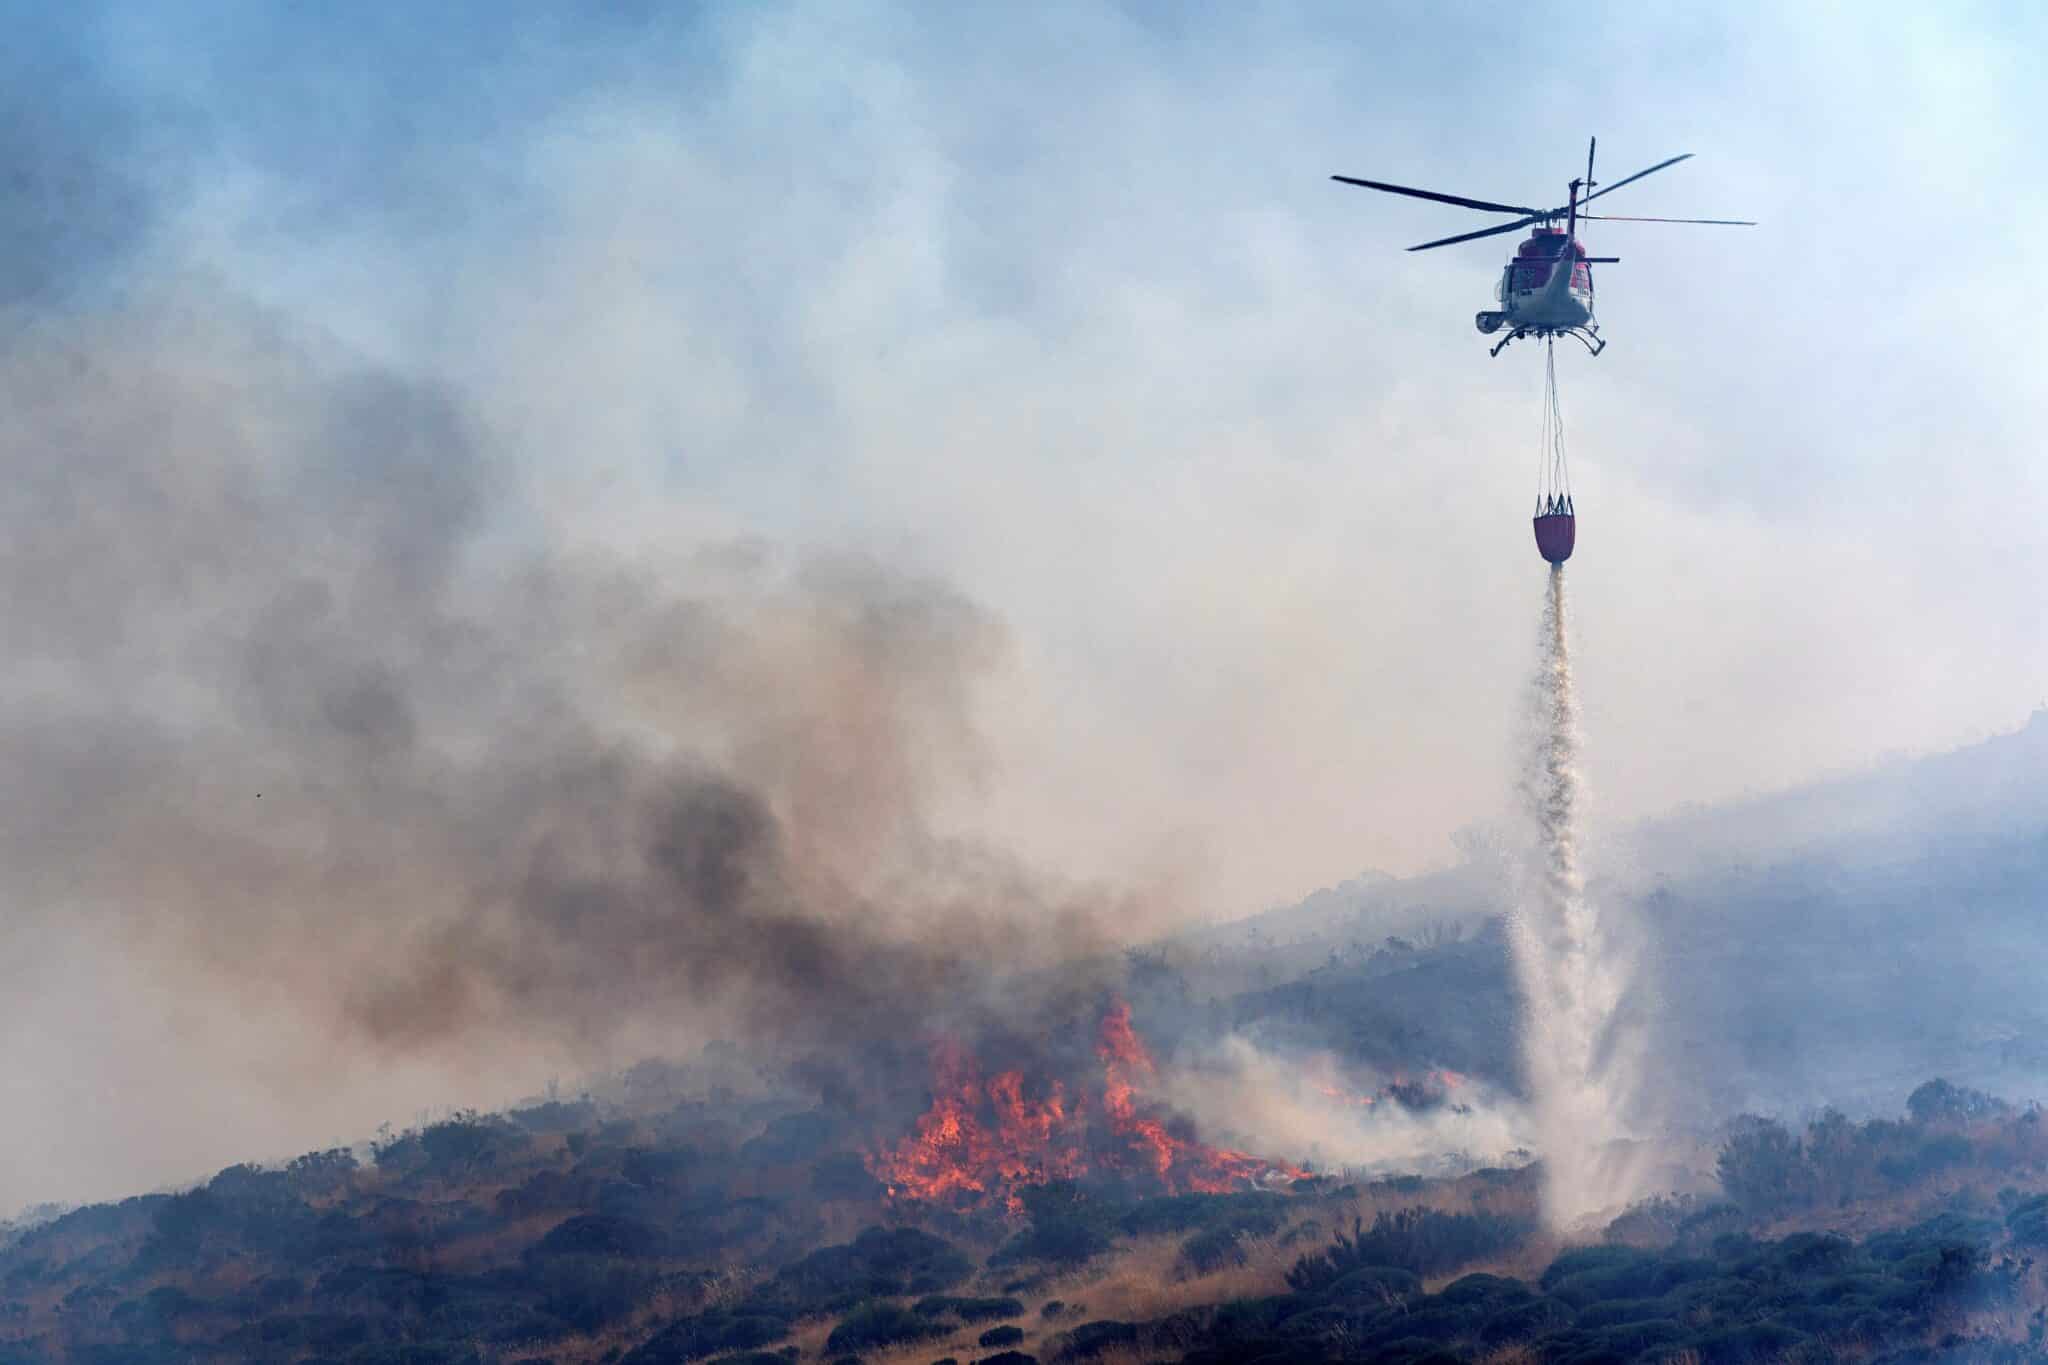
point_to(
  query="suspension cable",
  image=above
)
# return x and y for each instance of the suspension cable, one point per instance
(1553, 478)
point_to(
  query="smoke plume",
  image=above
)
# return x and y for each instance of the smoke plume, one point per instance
(308, 719)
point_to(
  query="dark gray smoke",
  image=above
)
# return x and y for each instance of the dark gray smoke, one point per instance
(336, 769)
(303, 706)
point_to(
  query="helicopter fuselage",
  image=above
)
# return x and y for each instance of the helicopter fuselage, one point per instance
(1546, 290)
(1548, 286)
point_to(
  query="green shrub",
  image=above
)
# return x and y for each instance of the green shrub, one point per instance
(1931, 1157)
(1330, 1323)
(1762, 1168)
(588, 1292)
(1630, 1340)
(1482, 1291)
(1376, 1284)
(1056, 1243)
(1067, 1228)
(422, 1353)
(596, 1234)
(465, 1143)
(881, 1324)
(1521, 1321)
(1750, 1341)
(1812, 1253)
(709, 1333)
(1091, 1339)
(1424, 1241)
(1255, 1212)
(1212, 1250)
(975, 1310)
(1413, 1351)
(1647, 1277)
(1429, 1321)
(2028, 1222)
(1940, 1101)
(1615, 1312)
(880, 1263)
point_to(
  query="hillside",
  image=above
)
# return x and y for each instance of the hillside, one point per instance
(1836, 943)
(1886, 931)
(748, 1233)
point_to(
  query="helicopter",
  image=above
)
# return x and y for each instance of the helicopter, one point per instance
(1539, 293)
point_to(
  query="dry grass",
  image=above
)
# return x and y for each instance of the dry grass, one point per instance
(1142, 1282)
(1138, 1282)
(496, 1247)
(1467, 1194)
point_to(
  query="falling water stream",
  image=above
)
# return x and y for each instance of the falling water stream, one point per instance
(1581, 1060)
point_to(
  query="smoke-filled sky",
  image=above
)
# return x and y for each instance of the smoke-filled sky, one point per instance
(960, 456)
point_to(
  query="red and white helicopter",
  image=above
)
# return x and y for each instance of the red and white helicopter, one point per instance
(1539, 296)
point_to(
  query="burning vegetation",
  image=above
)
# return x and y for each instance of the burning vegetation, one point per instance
(984, 1140)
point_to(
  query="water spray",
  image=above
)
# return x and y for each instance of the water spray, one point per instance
(1575, 978)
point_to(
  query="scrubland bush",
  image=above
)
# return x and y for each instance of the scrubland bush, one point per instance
(876, 1325)
(1421, 1240)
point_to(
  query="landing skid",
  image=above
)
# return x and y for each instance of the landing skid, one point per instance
(1592, 341)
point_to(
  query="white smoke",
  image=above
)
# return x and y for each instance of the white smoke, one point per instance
(1313, 1110)
(1583, 1049)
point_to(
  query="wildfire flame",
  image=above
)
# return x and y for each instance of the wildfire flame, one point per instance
(984, 1140)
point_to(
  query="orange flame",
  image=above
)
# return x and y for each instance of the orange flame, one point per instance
(986, 1140)
(979, 1140)
(1350, 1097)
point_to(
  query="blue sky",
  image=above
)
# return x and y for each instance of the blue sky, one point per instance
(1055, 304)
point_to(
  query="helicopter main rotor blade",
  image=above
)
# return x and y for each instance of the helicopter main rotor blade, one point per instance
(1515, 226)
(1626, 218)
(1682, 156)
(1459, 200)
